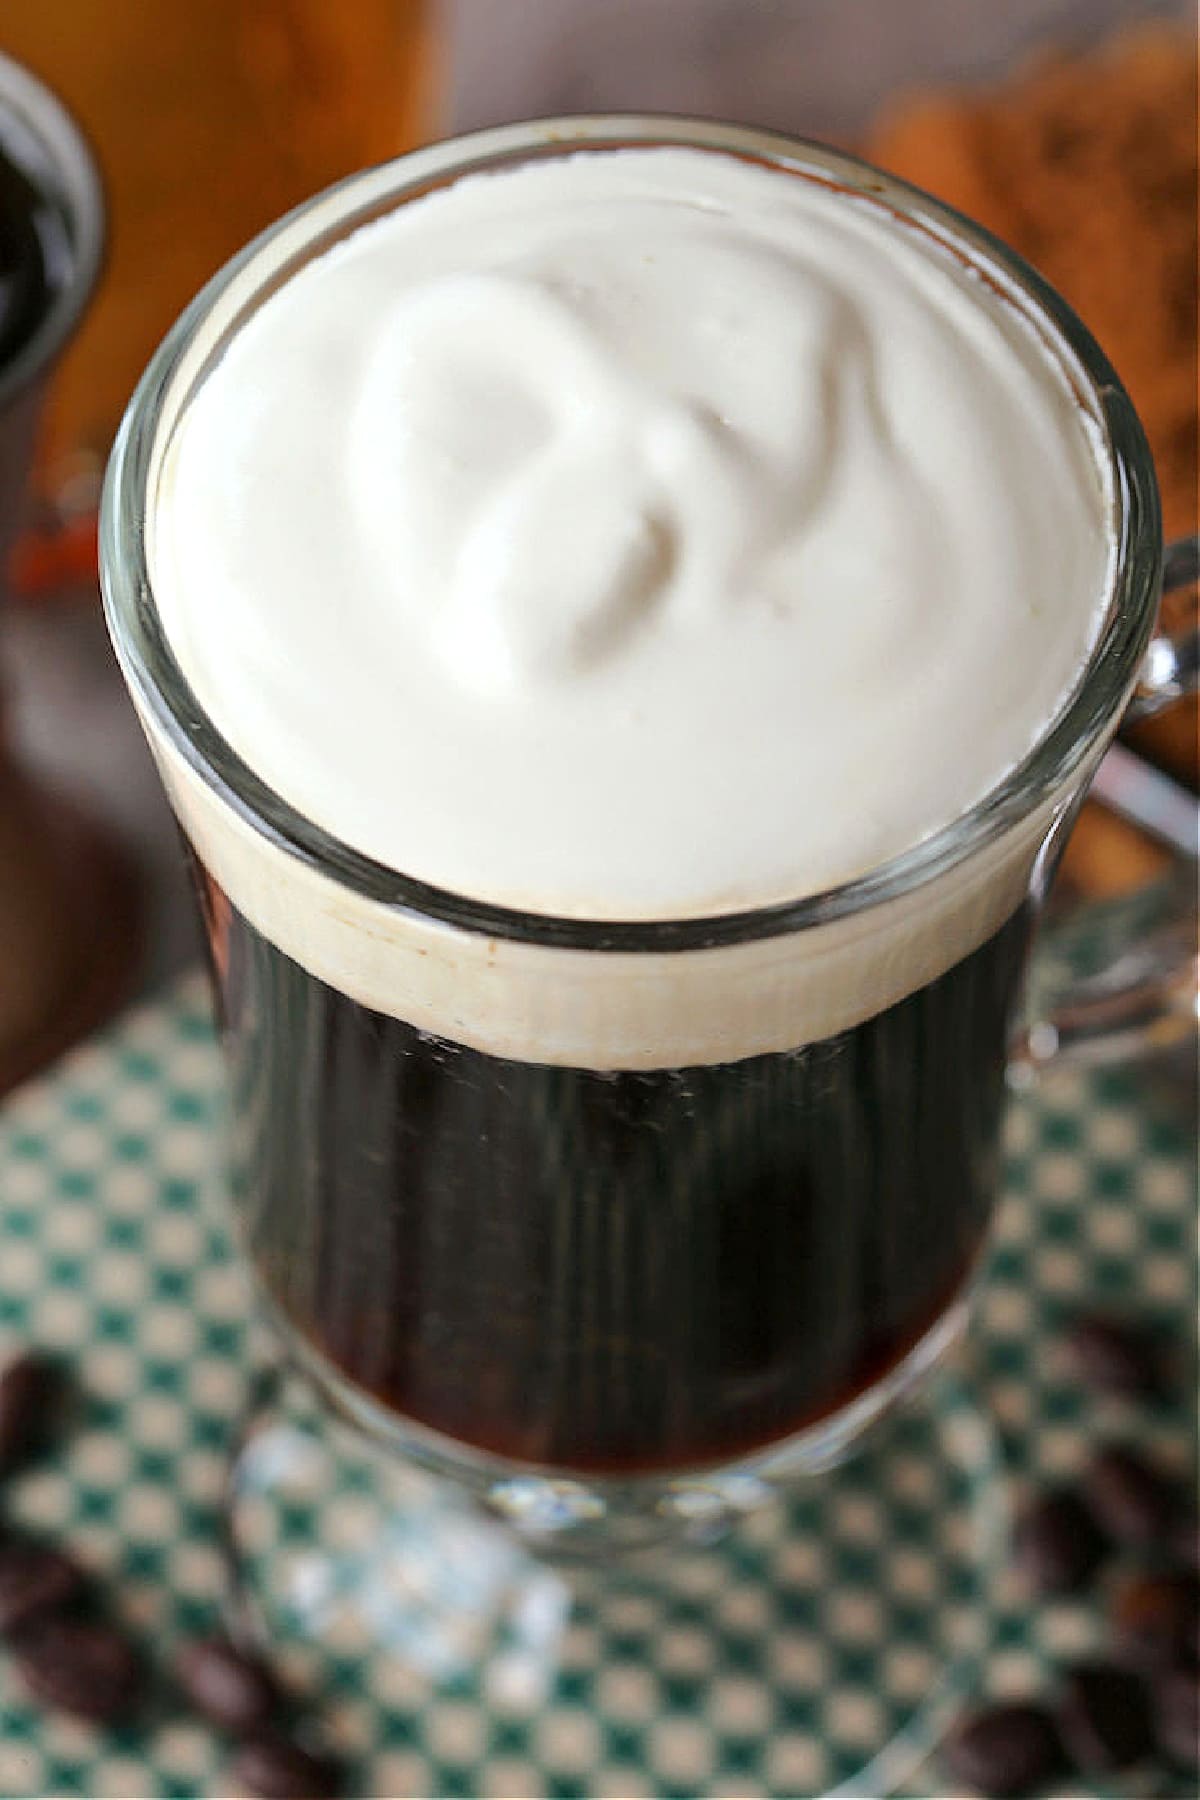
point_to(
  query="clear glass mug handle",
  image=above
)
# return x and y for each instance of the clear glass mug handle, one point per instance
(1118, 978)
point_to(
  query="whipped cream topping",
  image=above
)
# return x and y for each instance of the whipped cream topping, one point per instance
(633, 534)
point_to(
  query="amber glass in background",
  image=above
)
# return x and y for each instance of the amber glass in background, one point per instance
(208, 122)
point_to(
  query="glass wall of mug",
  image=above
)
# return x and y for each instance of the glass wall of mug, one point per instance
(608, 1221)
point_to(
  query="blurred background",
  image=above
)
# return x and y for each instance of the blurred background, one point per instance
(1069, 126)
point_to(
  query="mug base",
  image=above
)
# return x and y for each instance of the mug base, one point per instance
(816, 1642)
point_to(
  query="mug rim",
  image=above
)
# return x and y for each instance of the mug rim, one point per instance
(165, 697)
(68, 151)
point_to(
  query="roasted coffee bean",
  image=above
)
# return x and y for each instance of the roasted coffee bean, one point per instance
(1104, 1716)
(1057, 1542)
(34, 1579)
(1157, 1617)
(231, 1690)
(81, 1666)
(276, 1768)
(1177, 1715)
(30, 1386)
(1116, 1355)
(1132, 1499)
(1003, 1750)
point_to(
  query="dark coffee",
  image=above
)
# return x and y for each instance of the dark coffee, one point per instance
(614, 1273)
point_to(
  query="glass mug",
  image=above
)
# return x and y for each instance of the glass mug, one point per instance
(617, 1224)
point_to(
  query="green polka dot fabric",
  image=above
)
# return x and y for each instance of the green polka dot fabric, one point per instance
(114, 1251)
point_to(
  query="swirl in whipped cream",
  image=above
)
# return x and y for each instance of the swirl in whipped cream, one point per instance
(637, 533)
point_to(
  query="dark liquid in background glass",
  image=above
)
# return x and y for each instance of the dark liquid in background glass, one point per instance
(36, 256)
(38, 263)
(614, 1273)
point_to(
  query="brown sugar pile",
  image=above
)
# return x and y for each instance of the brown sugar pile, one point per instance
(1087, 165)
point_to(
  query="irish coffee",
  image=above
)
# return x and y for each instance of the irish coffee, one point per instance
(603, 604)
